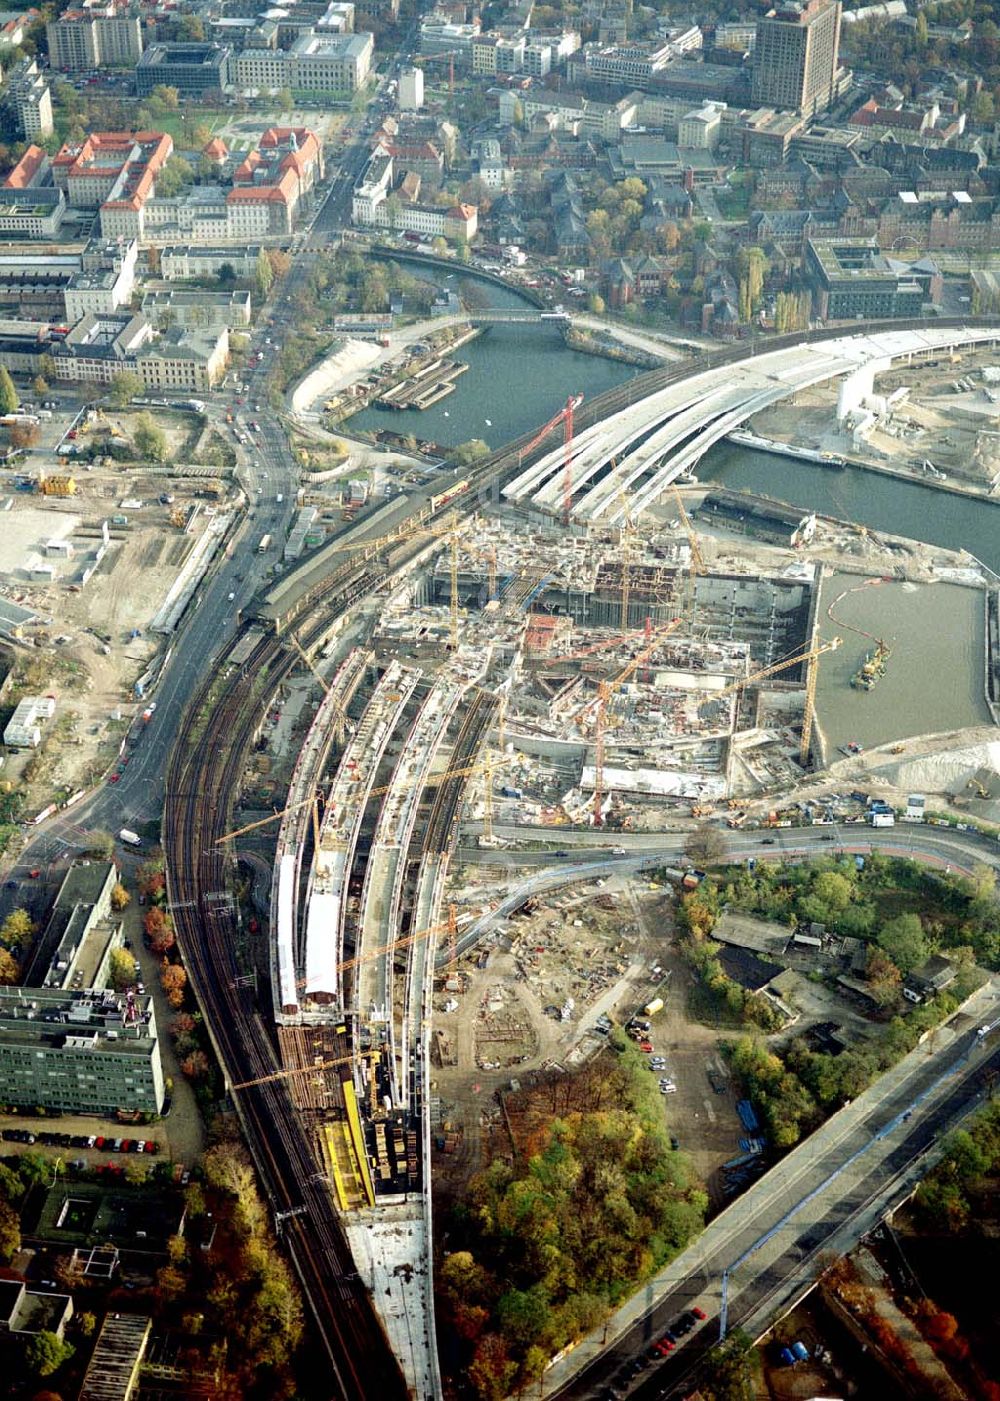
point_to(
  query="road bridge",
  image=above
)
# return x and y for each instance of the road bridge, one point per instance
(626, 461)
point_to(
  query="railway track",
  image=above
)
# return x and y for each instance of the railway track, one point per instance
(478, 718)
(203, 778)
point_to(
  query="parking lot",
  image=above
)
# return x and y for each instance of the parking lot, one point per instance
(59, 1138)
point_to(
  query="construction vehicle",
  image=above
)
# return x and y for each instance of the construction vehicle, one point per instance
(58, 485)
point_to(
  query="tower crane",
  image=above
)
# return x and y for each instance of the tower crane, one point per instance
(811, 658)
(368, 548)
(450, 55)
(433, 780)
(341, 722)
(697, 565)
(565, 417)
(265, 821)
(605, 690)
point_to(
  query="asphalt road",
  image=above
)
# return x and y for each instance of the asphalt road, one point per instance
(819, 1200)
(266, 470)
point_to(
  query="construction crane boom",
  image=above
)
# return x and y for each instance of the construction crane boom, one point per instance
(810, 655)
(433, 780)
(565, 417)
(265, 821)
(605, 691)
(697, 558)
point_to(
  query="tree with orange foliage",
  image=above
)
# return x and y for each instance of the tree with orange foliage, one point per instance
(174, 980)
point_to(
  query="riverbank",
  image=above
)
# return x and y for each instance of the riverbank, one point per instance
(838, 461)
(605, 343)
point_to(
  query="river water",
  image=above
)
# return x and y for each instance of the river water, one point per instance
(520, 375)
(934, 680)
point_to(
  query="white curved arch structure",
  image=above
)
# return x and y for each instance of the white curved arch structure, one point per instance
(633, 456)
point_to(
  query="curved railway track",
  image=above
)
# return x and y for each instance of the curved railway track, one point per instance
(203, 778)
(440, 826)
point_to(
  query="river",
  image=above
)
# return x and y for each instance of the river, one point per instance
(874, 499)
(934, 680)
(519, 377)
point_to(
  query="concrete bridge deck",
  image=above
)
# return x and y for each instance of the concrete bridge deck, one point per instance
(625, 462)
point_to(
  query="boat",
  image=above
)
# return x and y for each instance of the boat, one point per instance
(872, 669)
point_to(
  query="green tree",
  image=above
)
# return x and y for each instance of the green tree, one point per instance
(16, 929)
(595, 304)
(965, 1156)
(150, 440)
(46, 1353)
(175, 176)
(40, 386)
(263, 276)
(136, 1171)
(121, 969)
(730, 1370)
(884, 978)
(169, 97)
(226, 275)
(286, 102)
(190, 29)
(101, 845)
(9, 402)
(125, 385)
(903, 939)
(10, 1232)
(468, 454)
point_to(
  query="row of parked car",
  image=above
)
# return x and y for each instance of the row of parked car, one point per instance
(80, 1140)
(686, 1323)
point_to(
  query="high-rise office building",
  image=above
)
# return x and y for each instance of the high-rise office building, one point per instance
(795, 56)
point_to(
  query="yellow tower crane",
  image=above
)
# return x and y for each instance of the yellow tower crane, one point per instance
(605, 691)
(811, 658)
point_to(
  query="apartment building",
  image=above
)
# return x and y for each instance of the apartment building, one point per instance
(795, 62)
(79, 1052)
(28, 100)
(94, 38)
(374, 207)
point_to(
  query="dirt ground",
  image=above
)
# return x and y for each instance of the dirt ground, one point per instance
(954, 430)
(497, 1027)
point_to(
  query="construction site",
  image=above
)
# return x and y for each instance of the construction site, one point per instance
(101, 552)
(510, 681)
(564, 647)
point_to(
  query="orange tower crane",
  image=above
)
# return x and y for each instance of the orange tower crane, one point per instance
(565, 417)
